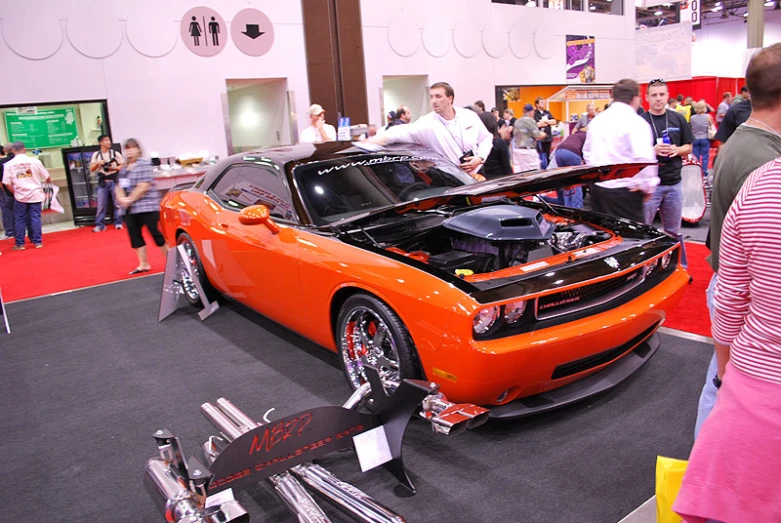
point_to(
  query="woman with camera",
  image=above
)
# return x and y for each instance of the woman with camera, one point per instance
(137, 194)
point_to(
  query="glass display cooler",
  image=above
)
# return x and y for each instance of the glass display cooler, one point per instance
(83, 184)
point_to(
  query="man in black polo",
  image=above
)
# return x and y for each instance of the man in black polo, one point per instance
(672, 141)
(544, 120)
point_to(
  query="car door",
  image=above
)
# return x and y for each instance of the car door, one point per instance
(257, 267)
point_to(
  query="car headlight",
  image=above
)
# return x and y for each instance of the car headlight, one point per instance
(485, 319)
(651, 268)
(514, 311)
(666, 259)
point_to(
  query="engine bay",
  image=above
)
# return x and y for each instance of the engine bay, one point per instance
(492, 238)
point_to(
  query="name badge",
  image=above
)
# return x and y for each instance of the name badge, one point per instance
(124, 183)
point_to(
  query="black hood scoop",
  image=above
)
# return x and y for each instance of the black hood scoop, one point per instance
(502, 223)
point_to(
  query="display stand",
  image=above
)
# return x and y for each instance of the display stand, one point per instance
(280, 453)
(172, 296)
(3, 313)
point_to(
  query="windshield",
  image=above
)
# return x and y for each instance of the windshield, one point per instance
(336, 189)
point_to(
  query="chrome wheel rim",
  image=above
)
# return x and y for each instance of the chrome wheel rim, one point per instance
(366, 339)
(188, 285)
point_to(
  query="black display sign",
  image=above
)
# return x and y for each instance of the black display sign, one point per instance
(278, 446)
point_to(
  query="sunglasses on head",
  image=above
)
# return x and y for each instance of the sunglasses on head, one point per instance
(657, 81)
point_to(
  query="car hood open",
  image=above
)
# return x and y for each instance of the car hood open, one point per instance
(513, 186)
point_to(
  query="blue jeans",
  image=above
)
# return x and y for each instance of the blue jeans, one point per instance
(7, 204)
(571, 197)
(24, 213)
(104, 193)
(708, 394)
(701, 151)
(668, 201)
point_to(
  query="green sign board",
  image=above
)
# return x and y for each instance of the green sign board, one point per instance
(48, 128)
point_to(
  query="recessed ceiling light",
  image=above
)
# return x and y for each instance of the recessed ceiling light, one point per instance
(718, 4)
(667, 5)
(745, 15)
(531, 4)
(658, 13)
(593, 8)
(770, 3)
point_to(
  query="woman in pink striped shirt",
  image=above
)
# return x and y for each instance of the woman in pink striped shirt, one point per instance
(734, 473)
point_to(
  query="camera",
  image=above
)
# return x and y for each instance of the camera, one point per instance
(107, 165)
(466, 155)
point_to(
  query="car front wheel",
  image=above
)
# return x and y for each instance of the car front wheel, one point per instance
(369, 332)
(194, 260)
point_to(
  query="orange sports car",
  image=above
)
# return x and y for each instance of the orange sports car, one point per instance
(400, 260)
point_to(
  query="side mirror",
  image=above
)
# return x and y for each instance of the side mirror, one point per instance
(257, 214)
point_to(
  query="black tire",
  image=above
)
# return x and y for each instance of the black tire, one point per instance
(395, 341)
(194, 258)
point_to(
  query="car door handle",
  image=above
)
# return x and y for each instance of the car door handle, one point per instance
(223, 225)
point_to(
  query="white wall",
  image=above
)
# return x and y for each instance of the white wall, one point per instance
(410, 91)
(130, 53)
(720, 47)
(476, 44)
(258, 115)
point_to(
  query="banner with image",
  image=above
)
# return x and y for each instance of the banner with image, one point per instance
(580, 59)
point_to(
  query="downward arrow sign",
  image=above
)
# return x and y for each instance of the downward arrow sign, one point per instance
(253, 31)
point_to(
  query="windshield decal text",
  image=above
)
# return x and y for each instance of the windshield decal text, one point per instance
(374, 161)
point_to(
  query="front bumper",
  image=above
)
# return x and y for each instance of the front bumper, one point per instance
(604, 380)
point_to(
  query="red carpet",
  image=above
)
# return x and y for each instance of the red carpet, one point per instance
(692, 315)
(71, 260)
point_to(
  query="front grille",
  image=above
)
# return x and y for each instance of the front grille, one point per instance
(580, 298)
(595, 360)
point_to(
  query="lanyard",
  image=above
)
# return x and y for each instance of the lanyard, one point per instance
(653, 125)
(461, 130)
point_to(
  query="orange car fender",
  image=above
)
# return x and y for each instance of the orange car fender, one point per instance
(328, 267)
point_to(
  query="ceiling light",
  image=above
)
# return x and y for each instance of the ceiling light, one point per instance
(531, 4)
(717, 9)
(667, 5)
(593, 8)
(745, 15)
(658, 13)
(718, 4)
(770, 3)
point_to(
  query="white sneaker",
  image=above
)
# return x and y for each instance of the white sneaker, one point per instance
(118, 226)
(98, 229)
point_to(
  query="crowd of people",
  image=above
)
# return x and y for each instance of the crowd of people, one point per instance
(127, 182)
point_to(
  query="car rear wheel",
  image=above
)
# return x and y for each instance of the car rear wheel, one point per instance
(194, 260)
(368, 331)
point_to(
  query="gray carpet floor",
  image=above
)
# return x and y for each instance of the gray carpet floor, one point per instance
(87, 376)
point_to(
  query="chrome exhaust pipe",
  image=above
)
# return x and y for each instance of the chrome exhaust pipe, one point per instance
(232, 423)
(166, 486)
(343, 495)
(297, 499)
(448, 418)
(178, 504)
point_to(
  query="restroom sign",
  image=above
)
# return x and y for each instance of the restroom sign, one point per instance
(204, 31)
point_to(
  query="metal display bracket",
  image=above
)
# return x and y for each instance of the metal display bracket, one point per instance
(4, 314)
(172, 296)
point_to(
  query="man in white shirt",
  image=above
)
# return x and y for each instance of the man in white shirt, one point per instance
(619, 135)
(455, 133)
(24, 177)
(318, 131)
